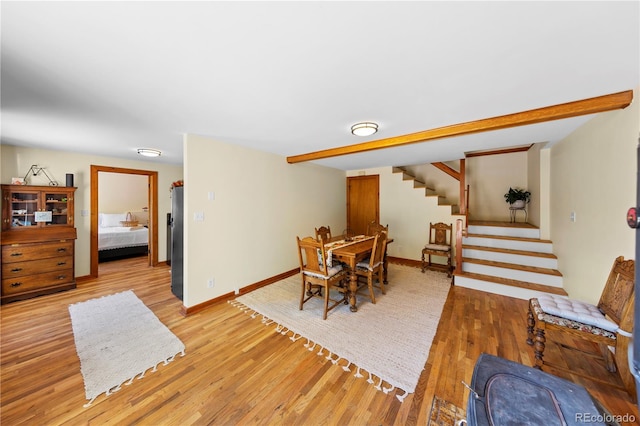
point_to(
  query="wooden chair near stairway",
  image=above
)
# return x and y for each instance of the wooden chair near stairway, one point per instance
(439, 245)
(609, 323)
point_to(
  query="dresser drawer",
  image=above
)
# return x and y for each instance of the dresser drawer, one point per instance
(33, 282)
(19, 269)
(22, 252)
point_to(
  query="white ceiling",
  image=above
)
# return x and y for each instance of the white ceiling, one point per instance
(106, 78)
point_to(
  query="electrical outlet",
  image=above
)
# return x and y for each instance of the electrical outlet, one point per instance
(237, 291)
(210, 282)
(572, 217)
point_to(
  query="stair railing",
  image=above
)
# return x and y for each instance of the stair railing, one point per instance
(459, 232)
(466, 210)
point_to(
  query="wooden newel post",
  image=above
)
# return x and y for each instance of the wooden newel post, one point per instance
(459, 227)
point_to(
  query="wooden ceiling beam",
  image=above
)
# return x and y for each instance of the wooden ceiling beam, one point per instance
(555, 112)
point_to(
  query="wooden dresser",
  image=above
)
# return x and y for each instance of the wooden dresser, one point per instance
(37, 240)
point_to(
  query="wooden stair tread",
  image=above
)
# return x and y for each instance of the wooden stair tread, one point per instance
(510, 251)
(502, 224)
(500, 237)
(515, 266)
(513, 283)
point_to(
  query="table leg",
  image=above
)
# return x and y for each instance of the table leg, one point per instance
(353, 288)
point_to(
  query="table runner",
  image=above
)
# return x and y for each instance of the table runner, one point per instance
(330, 247)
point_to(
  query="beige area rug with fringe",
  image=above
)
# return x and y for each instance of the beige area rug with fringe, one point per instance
(387, 343)
(118, 339)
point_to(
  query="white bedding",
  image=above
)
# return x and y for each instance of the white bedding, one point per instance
(122, 236)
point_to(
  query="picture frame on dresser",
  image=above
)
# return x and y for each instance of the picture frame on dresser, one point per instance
(37, 253)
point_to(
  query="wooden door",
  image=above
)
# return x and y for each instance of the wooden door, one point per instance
(363, 205)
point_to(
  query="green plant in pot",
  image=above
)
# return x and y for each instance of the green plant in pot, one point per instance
(517, 197)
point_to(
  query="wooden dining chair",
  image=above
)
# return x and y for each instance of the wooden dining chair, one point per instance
(317, 278)
(374, 228)
(372, 269)
(439, 245)
(609, 323)
(324, 233)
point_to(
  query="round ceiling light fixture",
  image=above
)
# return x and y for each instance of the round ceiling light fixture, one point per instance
(149, 152)
(366, 128)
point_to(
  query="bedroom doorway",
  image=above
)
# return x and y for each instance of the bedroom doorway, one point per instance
(152, 195)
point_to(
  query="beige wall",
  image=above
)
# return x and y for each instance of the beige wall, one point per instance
(489, 178)
(16, 161)
(593, 173)
(261, 203)
(121, 193)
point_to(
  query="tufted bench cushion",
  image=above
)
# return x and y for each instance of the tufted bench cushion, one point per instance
(573, 314)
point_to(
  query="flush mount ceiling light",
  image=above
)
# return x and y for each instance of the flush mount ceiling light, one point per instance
(149, 152)
(366, 128)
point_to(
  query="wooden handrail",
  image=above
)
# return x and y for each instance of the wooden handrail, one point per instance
(462, 178)
(458, 246)
(466, 211)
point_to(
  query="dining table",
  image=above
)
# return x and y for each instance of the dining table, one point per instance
(351, 251)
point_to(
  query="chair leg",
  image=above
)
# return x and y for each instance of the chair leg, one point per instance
(423, 264)
(371, 293)
(326, 302)
(303, 292)
(531, 323)
(538, 348)
(381, 280)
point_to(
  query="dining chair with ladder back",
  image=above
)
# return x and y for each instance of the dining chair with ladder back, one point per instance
(372, 269)
(374, 228)
(324, 233)
(317, 277)
(439, 245)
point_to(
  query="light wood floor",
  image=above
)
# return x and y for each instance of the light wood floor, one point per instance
(237, 371)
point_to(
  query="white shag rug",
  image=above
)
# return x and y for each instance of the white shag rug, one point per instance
(388, 343)
(118, 339)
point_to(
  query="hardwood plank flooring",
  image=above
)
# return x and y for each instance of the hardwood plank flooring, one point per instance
(237, 371)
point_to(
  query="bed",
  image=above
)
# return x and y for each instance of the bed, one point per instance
(118, 242)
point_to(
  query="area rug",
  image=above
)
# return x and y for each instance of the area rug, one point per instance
(388, 343)
(118, 339)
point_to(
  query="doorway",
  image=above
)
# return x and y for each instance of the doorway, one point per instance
(153, 212)
(363, 202)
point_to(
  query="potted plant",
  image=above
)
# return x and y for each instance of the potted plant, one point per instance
(517, 197)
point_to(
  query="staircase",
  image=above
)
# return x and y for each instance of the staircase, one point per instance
(428, 191)
(508, 259)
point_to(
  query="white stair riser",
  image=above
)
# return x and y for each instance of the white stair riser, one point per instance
(540, 262)
(505, 231)
(505, 290)
(540, 247)
(513, 274)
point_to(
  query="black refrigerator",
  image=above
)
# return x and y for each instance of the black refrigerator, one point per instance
(176, 225)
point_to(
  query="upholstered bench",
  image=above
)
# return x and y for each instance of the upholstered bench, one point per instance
(609, 324)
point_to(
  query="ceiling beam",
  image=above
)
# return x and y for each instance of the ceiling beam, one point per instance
(555, 112)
